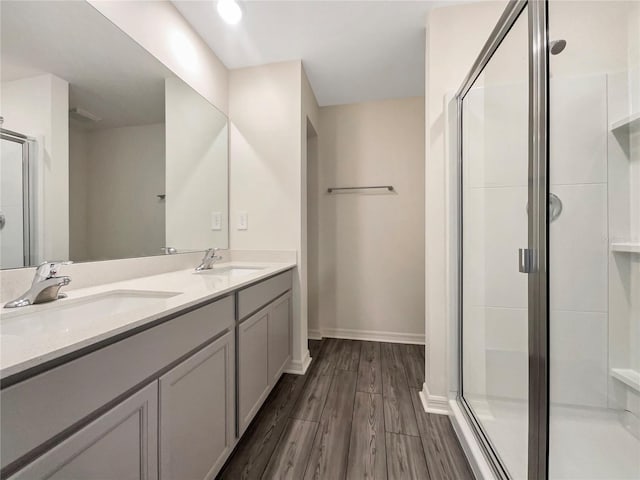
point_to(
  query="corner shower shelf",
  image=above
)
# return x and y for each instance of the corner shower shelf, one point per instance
(632, 122)
(629, 377)
(626, 247)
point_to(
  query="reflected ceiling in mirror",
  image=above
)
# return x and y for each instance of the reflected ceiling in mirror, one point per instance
(106, 154)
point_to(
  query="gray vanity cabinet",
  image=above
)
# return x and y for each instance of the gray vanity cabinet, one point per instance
(279, 344)
(264, 343)
(253, 366)
(197, 413)
(122, 444)
(201, 377)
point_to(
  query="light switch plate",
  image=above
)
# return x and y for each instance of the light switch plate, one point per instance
(216, 220)
(243, 221)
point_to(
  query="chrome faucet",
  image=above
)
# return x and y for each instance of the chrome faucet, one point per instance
(45, 286)
(208, 260)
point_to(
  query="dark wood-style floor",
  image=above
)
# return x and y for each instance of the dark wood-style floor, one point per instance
(356, 414)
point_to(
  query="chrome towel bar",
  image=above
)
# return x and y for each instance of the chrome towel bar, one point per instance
(386, 187)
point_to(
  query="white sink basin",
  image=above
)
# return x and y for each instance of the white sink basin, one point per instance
(68, 314)
(233, 271)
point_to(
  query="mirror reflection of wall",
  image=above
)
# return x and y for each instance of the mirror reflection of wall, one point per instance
(118, 169)
(196, 182)
(115, 175)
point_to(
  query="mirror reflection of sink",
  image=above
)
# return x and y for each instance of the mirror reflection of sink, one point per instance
(65, 315)
(233, 271)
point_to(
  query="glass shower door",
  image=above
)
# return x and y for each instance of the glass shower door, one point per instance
(594, 240)
(494, 224)
(14, 202)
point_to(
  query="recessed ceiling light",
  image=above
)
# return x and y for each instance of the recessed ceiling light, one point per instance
(230, 11)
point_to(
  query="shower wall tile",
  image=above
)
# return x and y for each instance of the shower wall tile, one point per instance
(618, 96)
(578, 355)
(474, 360)
(634, 89)
(578, 249)
(634, 185)
(506, 352)
(634, 308)
(474, 247)
(507, 374)
(499, 135)
(578, 130)
(496, 228)
(505, 230)
(495, 198)
(506, 329)
(578, 359)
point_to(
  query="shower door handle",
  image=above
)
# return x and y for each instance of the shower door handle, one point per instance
(526, 260)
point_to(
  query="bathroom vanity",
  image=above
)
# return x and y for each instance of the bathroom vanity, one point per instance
(121, 160)
(163, 390)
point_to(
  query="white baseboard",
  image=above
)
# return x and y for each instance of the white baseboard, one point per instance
(314, 334)
(438, 404)
(299, 367)
(479, 465)
(368, 335)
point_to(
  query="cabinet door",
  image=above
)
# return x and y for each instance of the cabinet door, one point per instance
(279, 337)
(253, 367)
(197, 413)
(122, 444)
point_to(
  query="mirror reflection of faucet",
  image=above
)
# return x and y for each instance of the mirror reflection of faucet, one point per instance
(208, 260)
(45, 286)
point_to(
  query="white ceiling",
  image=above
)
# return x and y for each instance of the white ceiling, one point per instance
(109, 74)
(352, 51)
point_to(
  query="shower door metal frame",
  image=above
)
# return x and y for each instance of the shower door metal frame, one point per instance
(538, 241)
(28, 222)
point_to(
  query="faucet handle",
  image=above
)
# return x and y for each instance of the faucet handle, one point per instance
(209, 253)
(208, 259)
(48, 270)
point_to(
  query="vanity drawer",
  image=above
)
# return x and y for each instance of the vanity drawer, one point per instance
(39, 408)
(253, 298)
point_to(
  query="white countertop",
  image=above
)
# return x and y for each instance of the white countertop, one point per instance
(37, 344)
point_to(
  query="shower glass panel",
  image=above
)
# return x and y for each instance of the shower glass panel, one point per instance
(495, 115)
(594, 243)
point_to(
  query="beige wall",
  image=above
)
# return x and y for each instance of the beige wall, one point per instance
(268, 111)
(159, 28)
(309, 125)
(38, 107)
(367, 249)
(264, 108)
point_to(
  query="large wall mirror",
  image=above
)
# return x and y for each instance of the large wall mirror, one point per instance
(105, 154)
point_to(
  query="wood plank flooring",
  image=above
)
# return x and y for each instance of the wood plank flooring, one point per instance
(356, 414)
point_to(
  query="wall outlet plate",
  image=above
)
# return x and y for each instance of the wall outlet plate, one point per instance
(243, 221)
(216, 220)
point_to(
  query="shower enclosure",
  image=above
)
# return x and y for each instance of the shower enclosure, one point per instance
(16, 209)
(548, 161)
